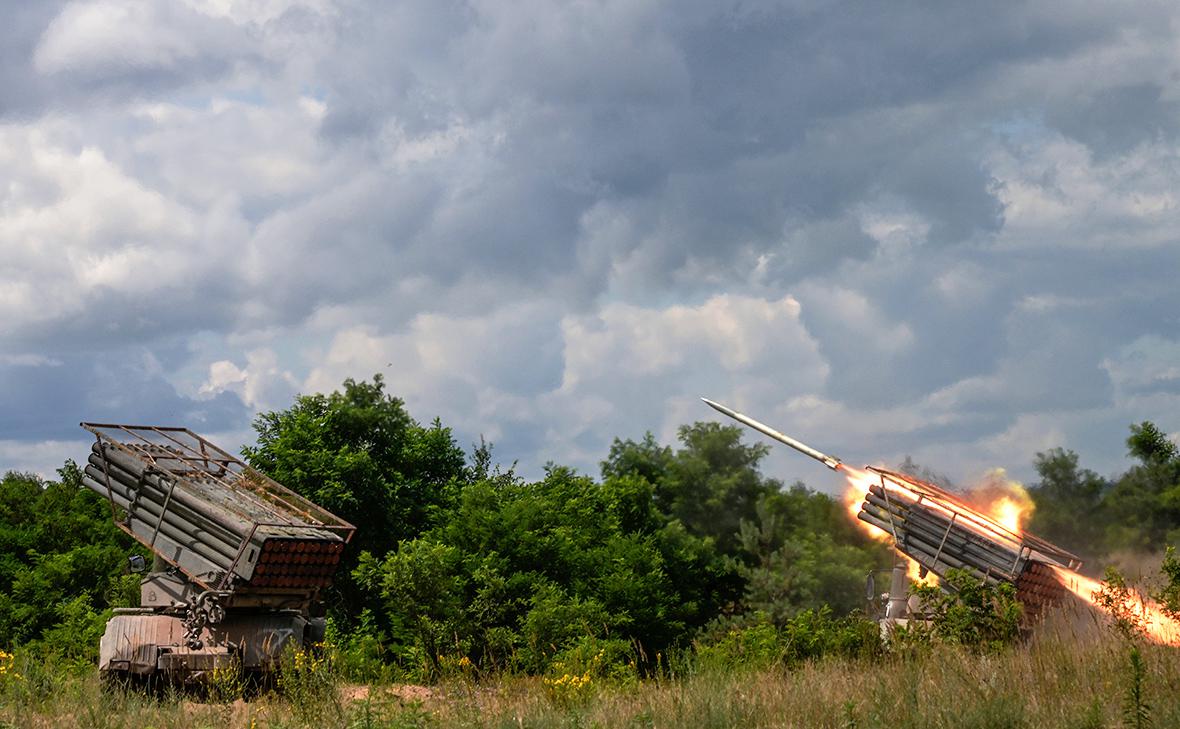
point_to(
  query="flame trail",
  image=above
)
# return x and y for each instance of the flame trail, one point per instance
(859, 482)
(1002, 499)
(1155, 622)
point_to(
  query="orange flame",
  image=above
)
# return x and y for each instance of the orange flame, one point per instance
(1157, 624)
(1008, 513)
(1003, 499)
(859, 482)
(858, 489)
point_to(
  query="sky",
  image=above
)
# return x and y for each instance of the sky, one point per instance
(944, 230)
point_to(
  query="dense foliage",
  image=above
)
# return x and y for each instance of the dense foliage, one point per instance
(62, 563)
(973, 614)
(460, 563)
(1138, 510)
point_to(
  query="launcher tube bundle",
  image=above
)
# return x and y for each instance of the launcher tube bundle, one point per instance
(226, 526)
(940, 532)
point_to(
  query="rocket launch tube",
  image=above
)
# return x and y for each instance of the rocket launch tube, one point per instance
(829, 461)
(959, 535)
(149, 510)
(183, 549)
(915, 528)
(913, 538)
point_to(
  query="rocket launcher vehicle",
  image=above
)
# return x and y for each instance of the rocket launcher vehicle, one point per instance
(939, 531)
(239, 561)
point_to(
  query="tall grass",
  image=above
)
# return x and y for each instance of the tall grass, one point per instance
(1063, 677)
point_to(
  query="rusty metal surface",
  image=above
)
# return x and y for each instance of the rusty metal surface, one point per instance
(1038, 589)
(143, 643)
(940, 532)
(1023, 541)
(131, 642)
(217, 477)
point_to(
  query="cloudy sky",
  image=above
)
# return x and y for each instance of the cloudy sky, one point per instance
(946, 229)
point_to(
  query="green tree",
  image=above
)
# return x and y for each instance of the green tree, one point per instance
(646, 459)
(714, 482)
(62, 562)
(1144, 503)
(1150, 444)
(423, 588)
(973, 613)
(359, 454)
(804, 554)
(1069, 503)
(533, 568)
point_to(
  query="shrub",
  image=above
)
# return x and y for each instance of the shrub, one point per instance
(810, 635)
(973, 614)
(751, 647)
(607, 659)
(1117, 599)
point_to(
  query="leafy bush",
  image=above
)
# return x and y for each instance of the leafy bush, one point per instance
(810, 635)
(1169, 594)
(818, 633)
(62, 563)
(973, 614)
(577, 672)
(754, 646)
(362, 653)
(78, 631)
(605, 659)
(1116, 598)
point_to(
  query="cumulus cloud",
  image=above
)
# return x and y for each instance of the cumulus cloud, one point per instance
(537, 383)
(943, 232)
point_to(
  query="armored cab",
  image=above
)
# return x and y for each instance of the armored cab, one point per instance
(240, 560)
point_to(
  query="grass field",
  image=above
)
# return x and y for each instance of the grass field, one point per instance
(1057, 679)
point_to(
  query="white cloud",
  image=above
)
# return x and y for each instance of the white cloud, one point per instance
(737, 332)
(554, 225)
(262, 384)
(42, 458)
(74, 223)
(1055, 193)
(95, 38)
(616, 372)
(1149, 363)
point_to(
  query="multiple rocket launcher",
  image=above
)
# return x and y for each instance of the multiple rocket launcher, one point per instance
(940, 532)
(239, 559)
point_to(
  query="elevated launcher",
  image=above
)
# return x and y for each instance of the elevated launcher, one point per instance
(240, 560)
(939, 531)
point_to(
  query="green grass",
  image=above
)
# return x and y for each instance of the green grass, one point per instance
(1061, 680)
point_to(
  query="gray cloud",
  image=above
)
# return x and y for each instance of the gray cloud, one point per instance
(46, 401)
(946, 231)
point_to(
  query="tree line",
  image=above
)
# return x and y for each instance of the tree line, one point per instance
(457, 558)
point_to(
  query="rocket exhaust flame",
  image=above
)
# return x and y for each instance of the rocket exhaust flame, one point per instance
(1147, 614)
